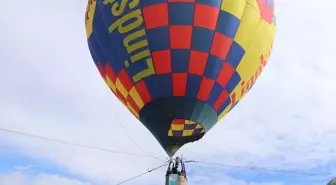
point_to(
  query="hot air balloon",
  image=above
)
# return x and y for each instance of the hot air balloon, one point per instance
(180, 66)
(332, 182)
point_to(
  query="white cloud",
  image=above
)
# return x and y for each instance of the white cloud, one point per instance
(41, 179)
(23, 168)
(50, 87)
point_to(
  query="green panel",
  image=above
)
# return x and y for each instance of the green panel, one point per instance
(158, 115)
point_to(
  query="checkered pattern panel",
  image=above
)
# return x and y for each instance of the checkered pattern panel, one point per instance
(182, 128)
(149, 49)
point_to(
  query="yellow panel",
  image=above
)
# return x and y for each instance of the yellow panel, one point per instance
(199, 126)
(235, 7)
(187, 132)
(271, 31)
(175, 148)
(253, 3)
(110, 83)
(121, 89)
(223, 113)
(253, 62)
(247, 27)
(136, 97)
(90, 10)
(226, 110)
(177, 127)
(260, 45)
(132, 110)
(170, 133)
(202, 131)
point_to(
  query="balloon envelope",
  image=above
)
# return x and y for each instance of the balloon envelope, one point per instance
(180, 65)
(332, 182)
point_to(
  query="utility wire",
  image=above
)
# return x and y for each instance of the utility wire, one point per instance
(139, 155)
(263, 169)
(149, 171)
(123, 128)
(73, 144)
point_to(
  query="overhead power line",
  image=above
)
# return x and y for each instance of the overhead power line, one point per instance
(74, 144)
(262, 169)
(140, 155)
(149, 171)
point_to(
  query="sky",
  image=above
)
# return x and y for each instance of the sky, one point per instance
(50, 87)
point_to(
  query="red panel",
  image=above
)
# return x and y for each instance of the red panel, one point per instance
(113, 91)
(162, 61)
(205, 88)
(143, 91)
(170, 1)
(206, 16)
(225, 74)
(125, 80)
(179, 84)
(221, 99)
(133, 104)
(180, 37)
(266, 10)
(220, 45)
(120, 97)
(178, 122)
(233, 100)
(101, 71)
(110, 73)
(156, 15)
(197, 62)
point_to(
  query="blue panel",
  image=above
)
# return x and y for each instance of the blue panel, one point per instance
(193, 85)
(214, 94)
(235, 79)
(93, 44)
(213, 3)
(152, 2)
(158, 38)
(112, 43)
(225, 104)
(201, 39)
(227, 24)
(166, 84)
(97, 51)
(213, 67)
(106, 15)
(270, 4)
(159, 85)
(136, 67)
(102, 46)
(180, 60)
(181, 13)
(153, 87)
(235, 54)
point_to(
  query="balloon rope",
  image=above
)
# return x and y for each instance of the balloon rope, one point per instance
(126, 133)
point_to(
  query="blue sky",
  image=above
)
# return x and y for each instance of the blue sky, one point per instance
(51, 88)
